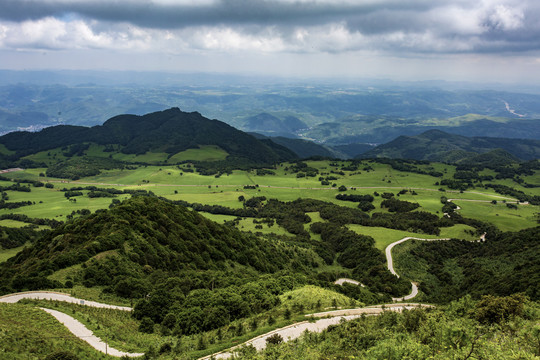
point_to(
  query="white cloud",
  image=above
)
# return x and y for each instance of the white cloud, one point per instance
(506, 18)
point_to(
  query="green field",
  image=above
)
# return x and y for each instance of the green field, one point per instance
(174, 183)
(7, 253)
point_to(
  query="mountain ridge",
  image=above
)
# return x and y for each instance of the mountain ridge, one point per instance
(170, 131)
(437, 145)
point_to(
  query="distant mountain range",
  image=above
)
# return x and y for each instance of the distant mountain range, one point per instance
(436, 145)
(166, 134)
(170, 131)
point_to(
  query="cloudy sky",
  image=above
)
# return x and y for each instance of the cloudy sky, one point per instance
(476, 40)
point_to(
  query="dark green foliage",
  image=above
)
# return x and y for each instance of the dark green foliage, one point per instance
(395, 205)
(274, 339)
(436, 145)
(518, 194)
(62, 355)
(147, 232)
(505, 264)
(146, 325)
(17, 186)
(355, 198)
(171, 131)
(35, 221)
(14, 237)
(69, 194)
(493, 310)
(80, 167)
(14, 205)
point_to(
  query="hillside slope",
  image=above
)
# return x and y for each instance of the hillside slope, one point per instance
(137, 237)
(436, 145)
(170, 131)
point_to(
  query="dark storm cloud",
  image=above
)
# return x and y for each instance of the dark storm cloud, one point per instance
(228, 12)
(421, 26)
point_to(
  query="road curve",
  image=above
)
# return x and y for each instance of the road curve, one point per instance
(294, 331)
(390, 264)
(57, 296)
(83, 333)
(341, 281)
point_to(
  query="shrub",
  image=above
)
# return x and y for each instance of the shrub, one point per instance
(274, 339)
(147, 325)
(61, 355)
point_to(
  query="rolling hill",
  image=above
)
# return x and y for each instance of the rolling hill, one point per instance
(436, 145)
(171, 131)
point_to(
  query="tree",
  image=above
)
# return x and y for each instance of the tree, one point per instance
(274, 339)
(146, 325)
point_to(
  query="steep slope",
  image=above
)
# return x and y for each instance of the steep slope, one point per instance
(436, 145)
(507, 263)
(137, 237)
(303, 148)
(169, 131)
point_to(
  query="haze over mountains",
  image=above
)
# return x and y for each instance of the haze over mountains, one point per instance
(333, 113)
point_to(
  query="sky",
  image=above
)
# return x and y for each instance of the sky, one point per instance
(456, 40)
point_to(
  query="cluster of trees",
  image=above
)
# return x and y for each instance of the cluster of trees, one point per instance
(167, 238)
(395, 205)
(365, 202)
(357, 252)
(518, 194)
(507, 263)
(14, 237)
(14, 205)
(203, 309)
(75, 168)
(35, 221)
(409, 165)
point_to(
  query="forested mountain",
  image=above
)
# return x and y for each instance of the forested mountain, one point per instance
(170, 131)
(508, 263)
(304, 148)
(435, 145)
(144, 232)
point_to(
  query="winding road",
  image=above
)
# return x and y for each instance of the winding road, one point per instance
(294, 331)
(390, 264)
(82, 332)
(57, 296)
(290, 332)
(73, 325)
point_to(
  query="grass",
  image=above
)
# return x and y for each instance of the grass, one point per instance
(384, 237)
(94, 294)
(500, 215)
(8, 253)
(30, 333)
(173, 183)
(20, 224)
(204, 153)
(120, 330)
(313, 298)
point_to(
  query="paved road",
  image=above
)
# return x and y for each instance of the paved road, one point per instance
(294, 331)
(341, 281)
(390, 264)
(51, 295)
(83, 333)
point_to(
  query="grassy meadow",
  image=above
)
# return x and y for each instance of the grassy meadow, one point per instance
(173, 183)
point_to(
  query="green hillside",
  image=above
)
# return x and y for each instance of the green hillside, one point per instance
(170, 132)
(435, 145)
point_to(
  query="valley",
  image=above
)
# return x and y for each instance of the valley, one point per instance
(215, 240)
